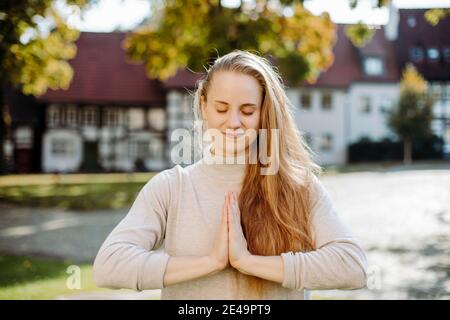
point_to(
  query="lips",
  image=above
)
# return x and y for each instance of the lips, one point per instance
(233, 135)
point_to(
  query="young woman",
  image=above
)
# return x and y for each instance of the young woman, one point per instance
(215, 230)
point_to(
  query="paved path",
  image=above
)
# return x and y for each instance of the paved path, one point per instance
(402, 219)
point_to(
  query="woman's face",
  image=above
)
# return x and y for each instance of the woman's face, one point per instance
(232, 107)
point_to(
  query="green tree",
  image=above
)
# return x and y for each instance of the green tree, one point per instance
(190, 34)
(33, 59)
(411, 118)
(433, 16)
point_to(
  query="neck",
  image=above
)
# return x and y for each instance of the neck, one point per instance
(225, 158)
(228, 168)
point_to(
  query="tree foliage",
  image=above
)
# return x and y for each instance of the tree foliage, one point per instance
(360, 34)
(433, 16)
(31, 58)
(411, 118)
(193, 33)
(413, 114)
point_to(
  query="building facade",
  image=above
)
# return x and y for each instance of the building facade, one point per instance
(428, 48)
(113, 118)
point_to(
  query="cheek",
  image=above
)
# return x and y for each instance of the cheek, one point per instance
(252, 122)
(215, 119)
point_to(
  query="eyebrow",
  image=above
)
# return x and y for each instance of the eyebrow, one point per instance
(242, 105)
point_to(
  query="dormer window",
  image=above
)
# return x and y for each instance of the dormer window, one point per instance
(373, 66)
(416, 54)
(411, 21)
(433, 54)
(446, 53)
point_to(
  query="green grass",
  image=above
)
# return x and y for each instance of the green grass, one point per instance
(24, 277)
(78, 192)
(32, 278)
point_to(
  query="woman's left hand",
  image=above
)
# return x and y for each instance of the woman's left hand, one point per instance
(237, 244)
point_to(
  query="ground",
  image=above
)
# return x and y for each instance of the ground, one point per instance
(401, 217)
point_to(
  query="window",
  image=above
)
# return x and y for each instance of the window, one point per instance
(305, 100)
(411, 21)
(112, 117)
(365, 104)
(187, 107)
(436, 91)
(446, 53)
(373, 66)
(326, 141)
(433, 54)
(54, 115)
(139, 149)
(62, 147)
(385, 104)
(142, 149)
(157, 119)
(446, 93)
(136, 118)
(156, 148)
(326, 101)
(24, 137)
(416, 54)
(71, 115)
(90, 116)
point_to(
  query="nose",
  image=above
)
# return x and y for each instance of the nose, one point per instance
(234, 120)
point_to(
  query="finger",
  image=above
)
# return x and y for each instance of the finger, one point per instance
(235, 205)
(225, 214)
(230, 212)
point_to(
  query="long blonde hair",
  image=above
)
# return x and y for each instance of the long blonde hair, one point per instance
(275, 210)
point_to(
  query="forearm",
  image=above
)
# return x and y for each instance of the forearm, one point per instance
(265, 267)
(180, 269)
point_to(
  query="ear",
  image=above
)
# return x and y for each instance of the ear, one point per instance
(203, 106)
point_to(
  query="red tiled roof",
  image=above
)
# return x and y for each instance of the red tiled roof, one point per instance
(102, 75)
(184, 78)
(347, 66)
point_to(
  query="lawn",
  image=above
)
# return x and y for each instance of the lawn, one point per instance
(73, 191)
(31, 278)
(24, 277)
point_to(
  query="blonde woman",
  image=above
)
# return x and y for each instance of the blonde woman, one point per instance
(216, 230)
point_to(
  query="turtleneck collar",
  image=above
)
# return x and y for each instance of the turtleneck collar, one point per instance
(223, 168)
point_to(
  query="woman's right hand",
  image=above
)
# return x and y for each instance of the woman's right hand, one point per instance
(219, 252)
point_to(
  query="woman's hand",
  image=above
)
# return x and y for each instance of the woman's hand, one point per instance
(237, 244)
(219, 253)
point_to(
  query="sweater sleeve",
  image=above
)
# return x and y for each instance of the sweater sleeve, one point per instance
(132, 256)
(338, 262)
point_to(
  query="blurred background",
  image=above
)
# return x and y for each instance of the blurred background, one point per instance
(91, 91)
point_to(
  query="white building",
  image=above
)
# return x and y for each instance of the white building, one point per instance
(350, 100)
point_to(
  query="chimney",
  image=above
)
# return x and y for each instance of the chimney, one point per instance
(391, 29)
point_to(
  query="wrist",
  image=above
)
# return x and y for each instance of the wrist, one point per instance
(214, 265)
(244, 263)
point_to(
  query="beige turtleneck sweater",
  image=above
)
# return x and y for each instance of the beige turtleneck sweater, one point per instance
(178, 212)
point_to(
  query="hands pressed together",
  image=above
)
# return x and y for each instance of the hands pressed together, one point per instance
(230, 245)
